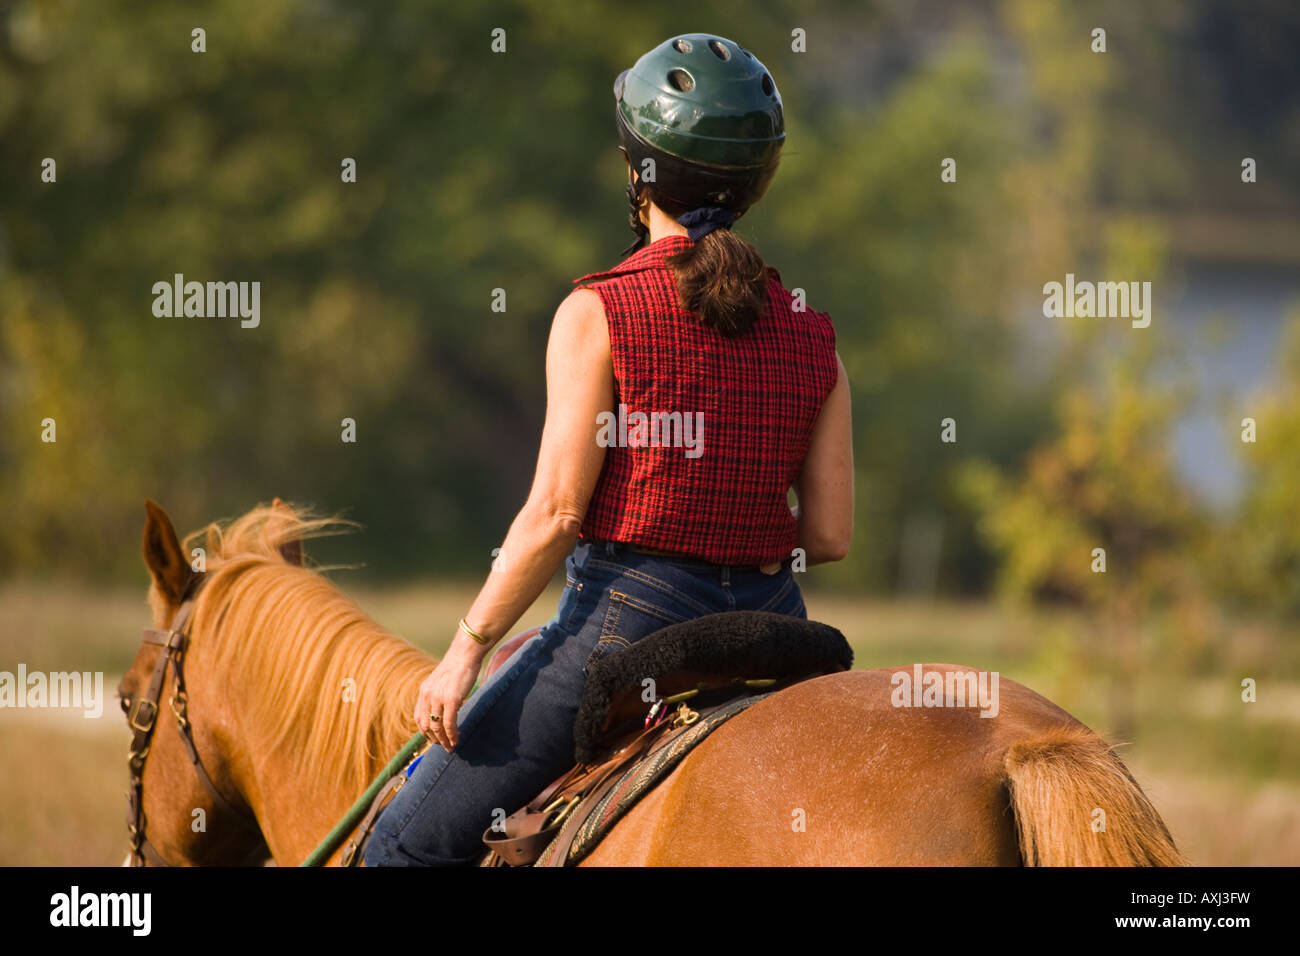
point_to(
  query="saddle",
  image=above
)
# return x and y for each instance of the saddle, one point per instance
(644, 708)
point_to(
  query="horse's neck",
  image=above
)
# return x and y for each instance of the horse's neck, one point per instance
(295, 815)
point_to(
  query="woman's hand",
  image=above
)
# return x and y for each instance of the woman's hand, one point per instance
(441, 695)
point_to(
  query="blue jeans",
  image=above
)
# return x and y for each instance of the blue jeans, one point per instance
(516, 731)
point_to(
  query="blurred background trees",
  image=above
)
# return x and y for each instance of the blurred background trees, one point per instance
(480, 171)
(1258, 555)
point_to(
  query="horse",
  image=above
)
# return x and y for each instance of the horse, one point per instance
(295, 699)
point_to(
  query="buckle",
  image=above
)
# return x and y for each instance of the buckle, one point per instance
(179, 702)
(135, 723)
(685, 716)
(568, 804)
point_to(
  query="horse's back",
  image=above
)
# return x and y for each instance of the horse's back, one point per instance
(839, 771)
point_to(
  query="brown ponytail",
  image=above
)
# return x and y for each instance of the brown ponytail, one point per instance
(722, 279)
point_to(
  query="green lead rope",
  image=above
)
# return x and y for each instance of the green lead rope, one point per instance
(345, 826)
(350, 819)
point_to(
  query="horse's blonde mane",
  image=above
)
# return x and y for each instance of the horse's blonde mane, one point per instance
(320, 681)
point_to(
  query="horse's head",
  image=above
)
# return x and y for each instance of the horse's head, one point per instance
(185, 805)
(262, 701)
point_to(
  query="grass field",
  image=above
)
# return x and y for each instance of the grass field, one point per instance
(1225, 774)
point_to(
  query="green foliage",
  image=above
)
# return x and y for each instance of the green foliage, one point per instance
(1259, 557)
(1106, 480)
(479, 171)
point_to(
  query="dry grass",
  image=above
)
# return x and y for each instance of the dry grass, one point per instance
(63, 800)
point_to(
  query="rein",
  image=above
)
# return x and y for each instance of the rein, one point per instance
(143, 717)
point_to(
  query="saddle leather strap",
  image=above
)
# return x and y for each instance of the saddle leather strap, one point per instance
(568, 832)
(354, 850)
(525, 833)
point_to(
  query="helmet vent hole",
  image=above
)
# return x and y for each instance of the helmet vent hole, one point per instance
(720, 51)
(683, 45)
(681, 80)
(768, 88)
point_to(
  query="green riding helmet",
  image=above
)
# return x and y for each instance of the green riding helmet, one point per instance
(708, 113)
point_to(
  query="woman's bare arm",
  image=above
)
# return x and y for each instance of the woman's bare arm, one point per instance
(825, 487)
(579, 386)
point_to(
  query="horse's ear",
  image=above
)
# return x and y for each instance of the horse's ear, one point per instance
(162, 554)
(291, 549)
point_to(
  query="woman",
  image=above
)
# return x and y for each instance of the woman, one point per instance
(686, 395)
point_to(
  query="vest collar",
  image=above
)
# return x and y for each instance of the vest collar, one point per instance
(652, 256)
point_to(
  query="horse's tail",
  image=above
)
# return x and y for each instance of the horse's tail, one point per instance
(1076, 804)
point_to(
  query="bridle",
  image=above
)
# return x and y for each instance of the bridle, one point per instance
(142, 715)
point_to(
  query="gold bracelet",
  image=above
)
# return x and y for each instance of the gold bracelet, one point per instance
(474, 635)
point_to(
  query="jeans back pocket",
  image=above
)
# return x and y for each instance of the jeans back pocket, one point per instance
(628, 618)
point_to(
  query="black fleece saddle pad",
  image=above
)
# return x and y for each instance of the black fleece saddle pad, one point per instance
(733, 645)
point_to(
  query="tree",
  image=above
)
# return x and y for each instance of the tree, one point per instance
(1259, 553)
(1098, 516)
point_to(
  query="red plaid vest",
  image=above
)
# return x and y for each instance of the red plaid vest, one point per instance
(708, 433)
